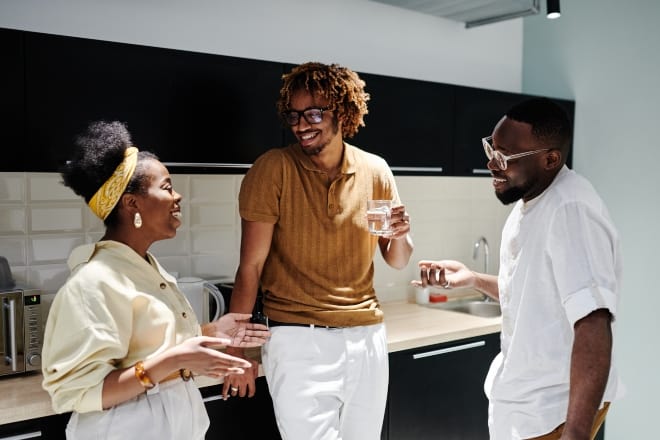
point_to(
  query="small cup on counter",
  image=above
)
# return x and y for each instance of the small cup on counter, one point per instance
(422, 295)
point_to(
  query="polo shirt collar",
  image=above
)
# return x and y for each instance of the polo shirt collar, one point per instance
(347, 163)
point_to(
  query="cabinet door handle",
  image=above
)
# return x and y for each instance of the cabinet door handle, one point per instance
(35, 434)
(480, 171)
(11, 352)
(449, 349)
(418, 169)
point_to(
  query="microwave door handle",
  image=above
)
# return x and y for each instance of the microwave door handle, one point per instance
(11, 331)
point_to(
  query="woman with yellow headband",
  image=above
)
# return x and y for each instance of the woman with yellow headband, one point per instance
(122, 344)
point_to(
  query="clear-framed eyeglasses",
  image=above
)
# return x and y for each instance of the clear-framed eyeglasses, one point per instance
(502, 159)
(313, 115)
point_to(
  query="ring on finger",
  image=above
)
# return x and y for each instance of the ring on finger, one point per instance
(234, 389)
(447, 284)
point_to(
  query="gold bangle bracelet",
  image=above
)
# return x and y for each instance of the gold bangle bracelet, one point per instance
(142, 376)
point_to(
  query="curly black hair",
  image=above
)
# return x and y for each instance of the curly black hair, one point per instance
(98, 152)
(342, 87)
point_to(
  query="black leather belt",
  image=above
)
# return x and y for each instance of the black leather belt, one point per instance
(273, 323)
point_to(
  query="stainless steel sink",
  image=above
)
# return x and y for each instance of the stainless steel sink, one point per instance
(486, 309)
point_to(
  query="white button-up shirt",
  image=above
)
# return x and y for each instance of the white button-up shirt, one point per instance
(559, 261)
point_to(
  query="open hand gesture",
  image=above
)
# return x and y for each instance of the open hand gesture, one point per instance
(238, 329)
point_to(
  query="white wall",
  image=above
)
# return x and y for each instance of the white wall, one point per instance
(366, 36)
(604, 53)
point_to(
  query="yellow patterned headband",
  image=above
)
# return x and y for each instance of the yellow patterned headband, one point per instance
(105, 199)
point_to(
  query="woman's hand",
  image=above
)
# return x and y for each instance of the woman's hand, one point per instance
(237, 328)
(201, 355)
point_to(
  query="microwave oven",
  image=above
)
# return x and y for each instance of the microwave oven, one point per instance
(21, 331)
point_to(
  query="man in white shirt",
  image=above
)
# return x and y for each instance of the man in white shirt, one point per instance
(558, 284)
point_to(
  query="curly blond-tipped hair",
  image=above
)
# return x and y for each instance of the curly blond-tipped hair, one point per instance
(342, 87)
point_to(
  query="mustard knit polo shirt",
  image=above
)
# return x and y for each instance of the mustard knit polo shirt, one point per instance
(320, 266)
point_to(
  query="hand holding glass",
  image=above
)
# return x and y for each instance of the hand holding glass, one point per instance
(379, 214)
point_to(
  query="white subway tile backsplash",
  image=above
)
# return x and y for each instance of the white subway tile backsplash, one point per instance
(177, 246)
(14, 249)
(53, 248)
(212, 189)
(13, 220)
(177, 266)
(447, 213)
(54, 218)
(181, 184)
(12, 187)
(213, 241)
(49, 278)
(204, 215)
(221, 265)
(48, 187)
(20, 274)
(482, 189)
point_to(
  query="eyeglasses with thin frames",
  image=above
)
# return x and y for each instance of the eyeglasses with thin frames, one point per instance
(313, 115)
(502, 159)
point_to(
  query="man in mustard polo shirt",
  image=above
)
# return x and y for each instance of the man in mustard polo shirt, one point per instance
(305, 241)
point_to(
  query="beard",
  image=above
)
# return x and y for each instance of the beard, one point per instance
(510, 195)
(314, 151)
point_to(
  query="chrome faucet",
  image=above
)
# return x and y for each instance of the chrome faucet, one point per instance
(482, 243)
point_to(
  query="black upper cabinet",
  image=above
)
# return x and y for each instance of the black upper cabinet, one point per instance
(409, 124)
(184, 106)
(477, 111)
(12, 108)
(205, 113)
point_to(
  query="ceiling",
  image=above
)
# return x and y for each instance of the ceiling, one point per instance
(470, 12)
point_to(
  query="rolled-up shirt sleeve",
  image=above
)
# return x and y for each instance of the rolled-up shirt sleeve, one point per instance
(583, 247)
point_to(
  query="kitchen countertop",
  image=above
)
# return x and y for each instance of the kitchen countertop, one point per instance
(408, 326)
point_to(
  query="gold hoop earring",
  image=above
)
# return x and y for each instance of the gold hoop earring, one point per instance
(137, 220)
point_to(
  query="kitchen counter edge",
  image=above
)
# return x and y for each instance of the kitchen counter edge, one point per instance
(408, 326)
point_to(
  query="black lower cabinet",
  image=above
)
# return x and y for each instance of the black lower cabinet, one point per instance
(241, 418)
(235, 418)
(48, 428)
(436, 392)
(28, 429)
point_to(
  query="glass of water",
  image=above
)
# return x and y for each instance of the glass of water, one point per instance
(378, 216)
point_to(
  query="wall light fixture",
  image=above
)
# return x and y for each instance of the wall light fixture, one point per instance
(553, 9)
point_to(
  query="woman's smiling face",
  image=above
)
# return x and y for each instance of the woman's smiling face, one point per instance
(159, 205)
